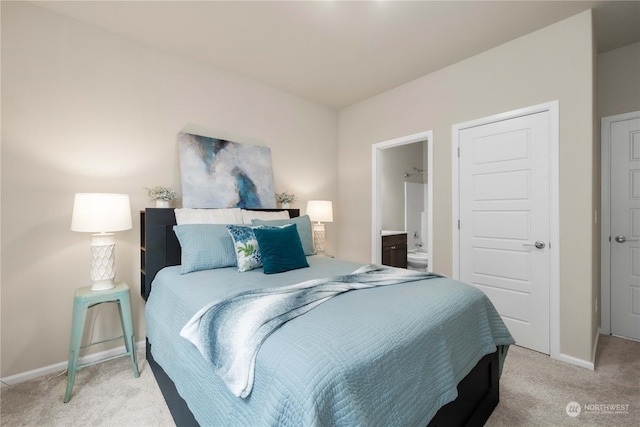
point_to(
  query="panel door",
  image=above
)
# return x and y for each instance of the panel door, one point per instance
(625, 228)
(505, 221)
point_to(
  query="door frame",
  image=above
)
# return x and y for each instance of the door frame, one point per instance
(605, 217)
(376, 209)
(554, 206)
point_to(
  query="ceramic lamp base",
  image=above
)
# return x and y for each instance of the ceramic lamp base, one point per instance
(103, 268)
(318, 238)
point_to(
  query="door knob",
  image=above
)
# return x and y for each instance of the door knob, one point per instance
(538, 244)
(622, 239)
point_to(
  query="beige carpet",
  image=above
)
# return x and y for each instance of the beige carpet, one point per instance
(534, 391)
(106, 394)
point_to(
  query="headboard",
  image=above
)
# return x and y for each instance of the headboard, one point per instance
(159, 246)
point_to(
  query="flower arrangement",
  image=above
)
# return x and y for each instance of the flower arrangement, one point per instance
(161, 193)
(285, 197)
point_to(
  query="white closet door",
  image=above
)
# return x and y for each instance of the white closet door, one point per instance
(505, 221)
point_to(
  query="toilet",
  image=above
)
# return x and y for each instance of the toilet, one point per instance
(417, 260)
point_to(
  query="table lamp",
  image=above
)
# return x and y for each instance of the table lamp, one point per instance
(319, 211)
(101, 214)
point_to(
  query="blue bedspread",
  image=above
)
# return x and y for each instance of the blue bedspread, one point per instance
(229, 333)
(385, 356)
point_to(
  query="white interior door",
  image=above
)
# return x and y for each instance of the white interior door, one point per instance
(504, 212)
(625, 228)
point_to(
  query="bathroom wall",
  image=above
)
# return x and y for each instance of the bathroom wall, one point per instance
(395, 162)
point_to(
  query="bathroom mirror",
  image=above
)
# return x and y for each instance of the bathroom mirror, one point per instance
(403, 171)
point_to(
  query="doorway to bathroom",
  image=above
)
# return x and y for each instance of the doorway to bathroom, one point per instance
(402, 199)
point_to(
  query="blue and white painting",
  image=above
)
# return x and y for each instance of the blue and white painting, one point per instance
(225, 174)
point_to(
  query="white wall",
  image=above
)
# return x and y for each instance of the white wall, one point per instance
(84, 110)
(553, 63)
(619, 81)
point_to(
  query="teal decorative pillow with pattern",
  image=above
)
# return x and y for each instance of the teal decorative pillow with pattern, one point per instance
(246, 247)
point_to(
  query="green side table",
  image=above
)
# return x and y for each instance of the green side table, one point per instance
(83, 300)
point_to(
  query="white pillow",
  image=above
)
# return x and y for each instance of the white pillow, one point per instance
(208, 216)
(248, 216)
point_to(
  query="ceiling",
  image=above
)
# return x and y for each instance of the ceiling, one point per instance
(338, 53)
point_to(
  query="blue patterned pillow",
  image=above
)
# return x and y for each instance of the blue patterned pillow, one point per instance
(204, 247)
(246, 247)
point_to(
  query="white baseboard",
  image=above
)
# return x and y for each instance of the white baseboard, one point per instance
(575, 361)
(591, 365)
(58, 367)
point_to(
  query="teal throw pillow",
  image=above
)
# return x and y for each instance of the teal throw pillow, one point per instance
(246, 247)
(205, 247)
(281, 248)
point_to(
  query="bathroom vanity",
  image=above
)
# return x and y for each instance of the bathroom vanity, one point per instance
(394, 250)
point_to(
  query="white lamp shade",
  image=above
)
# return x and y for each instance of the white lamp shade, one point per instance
(320, 210)
(101, 213)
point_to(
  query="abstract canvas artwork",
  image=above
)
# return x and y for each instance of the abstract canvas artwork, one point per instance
(224, 174)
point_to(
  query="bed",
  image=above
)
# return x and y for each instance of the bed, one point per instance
(360, 358)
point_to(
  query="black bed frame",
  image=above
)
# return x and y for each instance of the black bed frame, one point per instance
(478, 392)
(159, 246)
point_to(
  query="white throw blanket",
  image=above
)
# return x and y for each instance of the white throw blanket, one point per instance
(229, 333)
